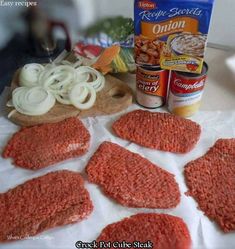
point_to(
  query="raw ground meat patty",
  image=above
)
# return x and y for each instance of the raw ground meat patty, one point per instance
(45, 202)
(211, 181)
(131, 179)
(40, 146)
(162, 230)
(160, 131)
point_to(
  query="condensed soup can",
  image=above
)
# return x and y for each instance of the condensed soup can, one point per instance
(185, 92)
(151, 86)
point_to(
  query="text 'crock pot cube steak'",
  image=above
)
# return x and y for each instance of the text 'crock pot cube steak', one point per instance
(211, 181)
(45, 202)
(160, 131)
(162, 230)
(40, 146)
(131, 179)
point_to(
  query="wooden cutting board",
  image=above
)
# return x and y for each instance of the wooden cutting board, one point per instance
(115, 97)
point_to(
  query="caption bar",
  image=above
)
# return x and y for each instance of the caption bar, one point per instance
(113, 244)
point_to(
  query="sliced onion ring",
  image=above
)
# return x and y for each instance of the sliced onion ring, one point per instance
(98, 79)
(58, 81)
(77, 95)
(29, 74)
(56, 72)
(32, 101)
(83, 95)
(82, 77)
(63, 98)
(9, 103)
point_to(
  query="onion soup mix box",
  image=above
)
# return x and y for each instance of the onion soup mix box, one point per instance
(172, 33)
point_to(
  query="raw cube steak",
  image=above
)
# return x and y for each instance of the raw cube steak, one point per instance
(131, 179)
(211, 181)
(40, 146)
(160, 131)
(45, 202)
(161, 230)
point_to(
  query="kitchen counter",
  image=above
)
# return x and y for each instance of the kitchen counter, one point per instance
(220, 88)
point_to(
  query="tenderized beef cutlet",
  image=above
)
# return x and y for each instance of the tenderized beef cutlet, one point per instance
(43, 145)
(160, 131)
(132, 180)
(55, 199)
(162, 230)
(211, 182)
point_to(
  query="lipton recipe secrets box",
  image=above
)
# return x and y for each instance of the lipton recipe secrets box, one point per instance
(172, 33)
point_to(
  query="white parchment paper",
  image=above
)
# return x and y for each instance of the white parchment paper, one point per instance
(204, 232)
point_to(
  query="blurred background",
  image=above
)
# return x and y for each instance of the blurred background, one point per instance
(59, 24)
(78, 14)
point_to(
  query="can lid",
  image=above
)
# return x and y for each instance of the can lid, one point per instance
(150, 68)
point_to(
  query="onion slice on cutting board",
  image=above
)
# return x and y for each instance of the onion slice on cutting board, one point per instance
(32, 101)
(68, 84)
(29, 74)
(83, 96)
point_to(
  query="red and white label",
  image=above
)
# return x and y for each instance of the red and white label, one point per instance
(185, 94)
(186, 85)
(147, 5)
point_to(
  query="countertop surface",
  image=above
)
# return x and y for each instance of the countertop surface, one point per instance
(219, 94)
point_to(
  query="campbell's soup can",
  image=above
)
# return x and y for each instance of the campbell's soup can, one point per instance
(151, 86)
(185, 92)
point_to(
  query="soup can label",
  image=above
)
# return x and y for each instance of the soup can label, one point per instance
(151, 86)
(186, 92)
